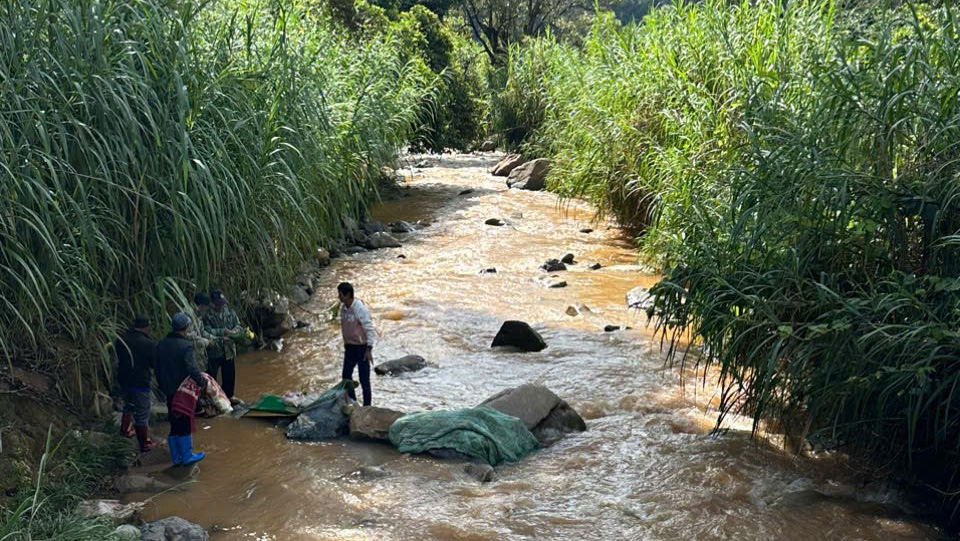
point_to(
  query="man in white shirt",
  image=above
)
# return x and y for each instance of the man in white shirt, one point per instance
(358, 337)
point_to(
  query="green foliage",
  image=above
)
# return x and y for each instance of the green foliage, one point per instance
(67, 473)
(796, 172)
(150, 147)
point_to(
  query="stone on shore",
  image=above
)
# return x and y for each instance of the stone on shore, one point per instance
(410, 363)
(530, 176)
(373, 423)
(507, 165)
(520, 335)
(173, 529)
(116, 512)
(402, 227)
(382, 240)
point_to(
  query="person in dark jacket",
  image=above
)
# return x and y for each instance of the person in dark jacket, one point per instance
(175, 362)
(134, 350)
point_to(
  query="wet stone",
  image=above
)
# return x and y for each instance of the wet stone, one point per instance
(520, 335)
(567, 259)
(552, 282)
(614, 328)
(481, 472)
(495, 222)
(586, 230)
(594, 266)
(491, 270)
(553, 265)
(466, 192)
(410, 363)
(173, 529)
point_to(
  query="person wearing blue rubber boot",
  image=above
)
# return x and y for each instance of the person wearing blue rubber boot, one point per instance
(175, 361)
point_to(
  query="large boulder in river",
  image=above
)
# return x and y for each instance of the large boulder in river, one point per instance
(520, 335)
(173, 529)
(507, 165)
(530, 176)
(269, 315)
(373, 423)
(542, 412)
(410, 363)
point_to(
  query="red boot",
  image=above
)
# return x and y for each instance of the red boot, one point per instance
(126, 425)
(143, 436)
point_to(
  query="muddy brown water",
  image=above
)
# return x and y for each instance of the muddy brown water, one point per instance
(647, 468)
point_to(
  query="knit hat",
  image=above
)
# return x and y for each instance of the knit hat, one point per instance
(140, 322)
(180, 321)
(218, 298)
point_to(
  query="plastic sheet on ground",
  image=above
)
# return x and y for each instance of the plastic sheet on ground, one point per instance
(324, 418)
(482, 433)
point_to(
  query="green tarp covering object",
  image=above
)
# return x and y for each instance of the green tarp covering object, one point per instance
(271, 405)
(481, 432)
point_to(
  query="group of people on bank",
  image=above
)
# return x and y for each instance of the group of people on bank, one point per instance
(204, 336)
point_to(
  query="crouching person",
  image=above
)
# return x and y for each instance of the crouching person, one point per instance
(175, 361)
(135, 351)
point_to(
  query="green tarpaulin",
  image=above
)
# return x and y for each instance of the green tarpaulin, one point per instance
(271, 405)
(481, 432)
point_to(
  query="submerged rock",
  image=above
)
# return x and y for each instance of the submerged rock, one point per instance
(520, 335)
(507, 165)
(466, 191)
(173, 529)
(371, 228)
(402, 227)
(373, 423)
(410, 363)
(594, 266)
(561, 420)
(491, 270)
(530, 176)
(481, 472)
(552, 282)
(613, 328)
(587, 230)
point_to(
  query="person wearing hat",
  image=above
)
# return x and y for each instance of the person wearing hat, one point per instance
(222, 323)
(175, 361)
(134, 350)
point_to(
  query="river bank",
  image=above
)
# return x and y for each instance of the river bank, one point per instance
(646, 468)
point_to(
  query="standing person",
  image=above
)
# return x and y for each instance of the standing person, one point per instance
(221, 322)
(135, 351)
(201, 338)
(175, 362)
(358, 337)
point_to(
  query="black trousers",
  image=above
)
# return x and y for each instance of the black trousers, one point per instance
(229, 367)
(179, 424)
(356, 356)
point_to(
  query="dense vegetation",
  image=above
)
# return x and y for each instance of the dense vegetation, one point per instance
(796, 170)
(151, 147)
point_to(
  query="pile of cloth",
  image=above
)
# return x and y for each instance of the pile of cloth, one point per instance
(210, 401)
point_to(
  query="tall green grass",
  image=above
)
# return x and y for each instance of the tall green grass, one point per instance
(149, 147)
(797, 172)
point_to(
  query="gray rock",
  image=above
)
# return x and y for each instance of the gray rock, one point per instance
(531, 403)
(594, 266)
(410, 363)
(520, 335)
(530, 176)
(495, 222)
(567, 259)
(129, 484)
(173, 529)
(402, 227)
(507, 165)
(488, 146)
(614, 328)
(373, 423)
(351, 250)
(491, 270)
(112, 510)
(639, 299)
(553, 265)
(382, 240)
(561, 420)
(466, 191)
(552, 282)
(481, 472)
(127, 532)
(299, 295)
(586, 230)
(269, 315)
(371, 228)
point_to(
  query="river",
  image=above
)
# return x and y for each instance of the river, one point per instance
(646, 468)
